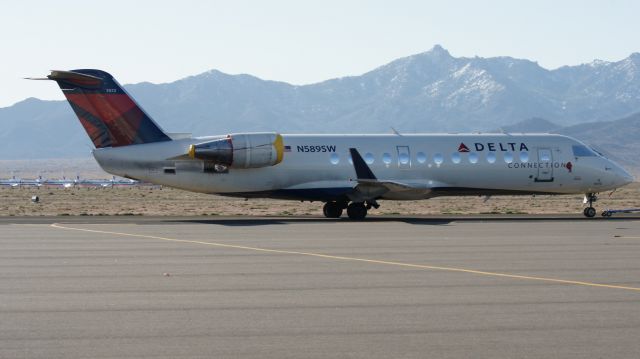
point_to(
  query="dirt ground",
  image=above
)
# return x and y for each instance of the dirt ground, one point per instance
(172, 202)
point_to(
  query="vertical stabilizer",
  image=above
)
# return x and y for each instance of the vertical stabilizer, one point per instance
(106, 111)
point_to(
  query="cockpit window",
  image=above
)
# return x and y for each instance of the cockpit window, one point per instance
(598, 152)
(583, 151)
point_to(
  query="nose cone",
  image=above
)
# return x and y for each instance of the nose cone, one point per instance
(622, 176)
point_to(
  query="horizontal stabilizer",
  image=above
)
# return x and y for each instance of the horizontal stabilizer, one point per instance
(76, 78)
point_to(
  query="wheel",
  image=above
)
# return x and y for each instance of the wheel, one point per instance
(356, 211)
(606, 214)
(332, 210)
(590, 212)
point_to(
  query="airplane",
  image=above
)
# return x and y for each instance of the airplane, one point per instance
(352, 172)
(124, 182)
(94, 183)
(61, 183)
(67, 183)
(37, 182)
(103, 183)
(12, 182)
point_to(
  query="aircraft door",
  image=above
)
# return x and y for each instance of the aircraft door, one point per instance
(404, 157)
(545, 165)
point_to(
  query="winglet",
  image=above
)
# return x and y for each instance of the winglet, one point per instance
(362, 170)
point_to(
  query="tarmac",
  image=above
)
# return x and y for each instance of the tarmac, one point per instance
(305, 287)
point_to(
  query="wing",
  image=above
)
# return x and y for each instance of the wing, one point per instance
(370, 187)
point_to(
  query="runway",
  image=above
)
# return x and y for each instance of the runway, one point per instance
(389, 287)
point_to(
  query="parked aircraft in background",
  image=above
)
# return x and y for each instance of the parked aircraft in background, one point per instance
(62, 183)
(126, 182)
(37, 182)
(94, 183)
(351, 172)
(113, 182)
(68, 183)
(11, 182)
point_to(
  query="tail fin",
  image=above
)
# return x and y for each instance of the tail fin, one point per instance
(106, 111)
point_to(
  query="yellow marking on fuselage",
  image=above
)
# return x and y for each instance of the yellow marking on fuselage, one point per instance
(364, 260)
(279, 146)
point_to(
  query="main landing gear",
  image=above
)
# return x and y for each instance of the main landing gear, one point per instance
(355, 210)
(333, 209)
(590, 212)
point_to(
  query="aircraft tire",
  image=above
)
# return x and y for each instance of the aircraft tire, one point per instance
(589, 212)
(332, 210)
(356, 211)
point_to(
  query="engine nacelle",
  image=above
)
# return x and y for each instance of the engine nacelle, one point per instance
(241, 150)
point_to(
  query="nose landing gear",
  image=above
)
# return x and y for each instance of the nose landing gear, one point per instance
(590, 212)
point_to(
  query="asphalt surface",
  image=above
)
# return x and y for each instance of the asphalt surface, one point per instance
(391, 287)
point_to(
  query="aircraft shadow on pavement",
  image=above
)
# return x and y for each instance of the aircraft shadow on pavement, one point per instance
(248, 221)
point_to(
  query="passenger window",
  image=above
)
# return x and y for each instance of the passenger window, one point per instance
(455, 158)
(334, 158)
(421, 157)
(368, 158)
(386, 158)
(473, 157)
(404, 158)
(438, 159)
(491, 157)
(545, 155)
(508, 157)
(524, 156)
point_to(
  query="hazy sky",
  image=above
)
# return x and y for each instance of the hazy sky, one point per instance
(294, 41)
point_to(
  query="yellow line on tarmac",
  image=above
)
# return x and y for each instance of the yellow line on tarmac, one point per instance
(365, 260)
(25, 224)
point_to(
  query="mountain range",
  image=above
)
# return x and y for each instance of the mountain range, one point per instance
(427, 92)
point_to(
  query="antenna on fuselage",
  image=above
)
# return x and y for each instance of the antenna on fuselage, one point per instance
(395, 132)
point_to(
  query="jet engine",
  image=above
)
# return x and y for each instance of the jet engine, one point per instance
(241, 150)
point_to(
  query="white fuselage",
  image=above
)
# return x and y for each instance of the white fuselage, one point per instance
(319, 167)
